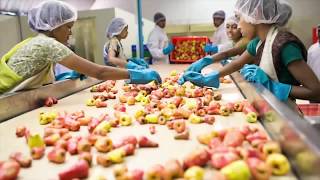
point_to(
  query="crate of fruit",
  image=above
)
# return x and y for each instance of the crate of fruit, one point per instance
(188, 48)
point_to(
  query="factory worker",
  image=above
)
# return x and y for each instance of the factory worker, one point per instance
(239, 44)
(219, 40)
(158, 43)
(277, 58)
(30, 63)
(314, 56)
(113, 52)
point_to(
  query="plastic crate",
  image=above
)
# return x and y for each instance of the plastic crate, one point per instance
(310, 109)
(188, 49)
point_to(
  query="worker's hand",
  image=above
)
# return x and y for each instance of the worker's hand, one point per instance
(200, 64)
(140, 62)
(143, 76)
(70, 75)
(254, 73)
(211, 48)
(132, 65)
(168, 49)
(211, 79)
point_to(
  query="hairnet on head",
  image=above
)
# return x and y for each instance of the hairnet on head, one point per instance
(50, 15)
(219, 14)
(158, 17)
(264, 11)
(232, 20)
(115, 27)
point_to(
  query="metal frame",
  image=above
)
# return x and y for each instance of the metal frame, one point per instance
(15, 104)
(298, 138)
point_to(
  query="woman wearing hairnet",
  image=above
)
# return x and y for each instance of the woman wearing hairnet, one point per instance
(158, 43)
(277, 57)
(30, 63)
(239, 44)
(113, 50)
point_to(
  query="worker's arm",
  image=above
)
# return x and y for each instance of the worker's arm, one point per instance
(97, 71)
(116, 61)
(235, 51)
(237, 64)
(310, 88)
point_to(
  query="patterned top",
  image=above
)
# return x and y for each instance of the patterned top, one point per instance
(36, 54)
(115, 45)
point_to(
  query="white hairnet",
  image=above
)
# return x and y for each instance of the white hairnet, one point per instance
(232, 20)
(264, 11)
(115, 27)
(50, 15)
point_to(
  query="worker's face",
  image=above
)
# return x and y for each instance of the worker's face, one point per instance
(233, 32)
(162, 24)
(217, 21)
(247, 29)
(62, 33)
(124, 33)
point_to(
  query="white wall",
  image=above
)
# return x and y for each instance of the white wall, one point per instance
(177, 11)
(10, 33)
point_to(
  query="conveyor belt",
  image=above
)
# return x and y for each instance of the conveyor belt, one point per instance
(143, 158)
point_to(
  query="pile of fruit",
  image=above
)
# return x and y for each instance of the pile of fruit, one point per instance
(186, 50)
(239, 154)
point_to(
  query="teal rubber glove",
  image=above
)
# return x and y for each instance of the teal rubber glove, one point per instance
(210, 80)
(200, 64)
(143, 76)
(132, 65)
(211, 48)
(255, 74)
(70, 75)
(140, 62)
(168, 49)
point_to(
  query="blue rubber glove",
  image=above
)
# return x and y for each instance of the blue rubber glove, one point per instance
(132, 65)
(200, 64)
(210, 80)
(168, 49)
(140, 62)
(70, 75)
(211, 48)
(254, 73)
(143, 76)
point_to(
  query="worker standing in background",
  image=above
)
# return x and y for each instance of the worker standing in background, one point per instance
(239, 43)
(314, 56)
(277, 57)
(30, 63)
(158, 43)
(113, 52)
(219, 40)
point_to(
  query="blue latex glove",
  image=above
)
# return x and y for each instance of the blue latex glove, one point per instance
(210, 80)
(140, 62)
(254, 73)
(132, 65)
(168, 49)
(143, 76)
(70, 75)
(200, 64)
(211, 48)
(197, 67)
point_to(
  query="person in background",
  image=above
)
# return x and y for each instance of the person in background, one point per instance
(158, 43)
(219, 40)
(113, 52)
(277, 57)
(30, 63)
(239, 45)
(314, 56)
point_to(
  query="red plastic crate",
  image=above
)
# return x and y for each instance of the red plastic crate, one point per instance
(310, 109)
(188, 49)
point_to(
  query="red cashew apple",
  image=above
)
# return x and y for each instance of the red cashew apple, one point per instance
(57, 155)
(20, 131)
(37, 152)
(23, 160)
(9, 170)
(198, 157)
(86, 156)
(78, 170)
(143, 141)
